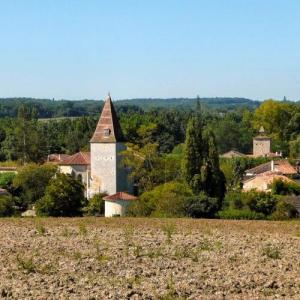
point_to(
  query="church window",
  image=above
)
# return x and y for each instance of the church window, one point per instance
(106, 132)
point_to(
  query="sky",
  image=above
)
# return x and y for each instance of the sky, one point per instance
(83, 49)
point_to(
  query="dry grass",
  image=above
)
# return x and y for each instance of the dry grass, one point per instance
(120, 258)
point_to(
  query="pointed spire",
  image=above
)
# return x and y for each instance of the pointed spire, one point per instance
(108, 129)
(261, 130)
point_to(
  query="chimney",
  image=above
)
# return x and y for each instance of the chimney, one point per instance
(272, 165)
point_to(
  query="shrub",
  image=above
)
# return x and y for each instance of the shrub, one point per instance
(234, 200)
(201, 206)
(6, 179)
(95, 206)
(260, 202)
(32, 181)
(281, 187)
(6, 206)
(166, 200)
(240, 214)
(284, 211)
(64, 196)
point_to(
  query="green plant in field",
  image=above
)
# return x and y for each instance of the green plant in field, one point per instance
(26, 264)
(128, 233)
(41, 230)
(77, 255)
(155, 253)
(100, 256)
(66, 232)
(169, 229)
(82, 229)
(271, 251)
(137, 251)
(206, 245)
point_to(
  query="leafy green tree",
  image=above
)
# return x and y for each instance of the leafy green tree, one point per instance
(64, 196)
(95, 205)
(201, 167)
(166, 200)
(6, 180)
(7, 206)
(31, 182)
(193, 154)
(294, 147)
(201, 206)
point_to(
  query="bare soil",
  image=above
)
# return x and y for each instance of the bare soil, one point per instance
(119, 258)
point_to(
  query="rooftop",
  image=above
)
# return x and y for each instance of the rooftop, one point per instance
(281, 166)
(108, 129)
(120, 196)
(80, 158)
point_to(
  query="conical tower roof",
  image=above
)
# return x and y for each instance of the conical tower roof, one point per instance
(108, 129)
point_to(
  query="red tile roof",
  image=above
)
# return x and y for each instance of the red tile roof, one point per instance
(282, 166)
(120, 196)
(108, 129)
(80, 158)
(57, 157)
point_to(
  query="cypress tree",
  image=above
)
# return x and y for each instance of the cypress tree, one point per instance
(192, 159)
(201, 167)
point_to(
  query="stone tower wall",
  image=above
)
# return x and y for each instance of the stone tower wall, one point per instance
(103, 168)
(261, 146)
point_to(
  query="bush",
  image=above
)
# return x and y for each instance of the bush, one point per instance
(234, 200)
(6, 179)
(281, 187)
(95, 206)
(6, 206)
(31, 182)
(240, 214)
(284, 211)
(260, 202)
(201, 206)
(166, 200)
(64, 196)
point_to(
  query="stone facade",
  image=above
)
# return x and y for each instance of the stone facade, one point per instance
(261, 146)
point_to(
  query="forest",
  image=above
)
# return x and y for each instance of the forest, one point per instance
(50, 108)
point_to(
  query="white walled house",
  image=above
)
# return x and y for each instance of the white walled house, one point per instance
(116, 205)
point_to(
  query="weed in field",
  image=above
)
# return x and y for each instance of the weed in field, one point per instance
(66, 232)
(100, 256)
(77, 255)
(41, 230)
(26, 264)
(169, 229)
(155, 253)
(271, 251)
(82, 229)
(185, 252)
(128, 234)
(206, 245)
(137, 251)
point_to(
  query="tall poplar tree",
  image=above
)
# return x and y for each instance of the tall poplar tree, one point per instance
(201, 167)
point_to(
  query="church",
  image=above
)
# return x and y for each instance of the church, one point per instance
(101, 170)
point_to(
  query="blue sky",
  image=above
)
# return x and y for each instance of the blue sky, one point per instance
(156, 48)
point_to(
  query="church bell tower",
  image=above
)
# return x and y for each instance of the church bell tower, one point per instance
(107, 143)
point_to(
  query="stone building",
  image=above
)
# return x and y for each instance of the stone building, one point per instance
(107, 144)
(261, 144)
(100, 170)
